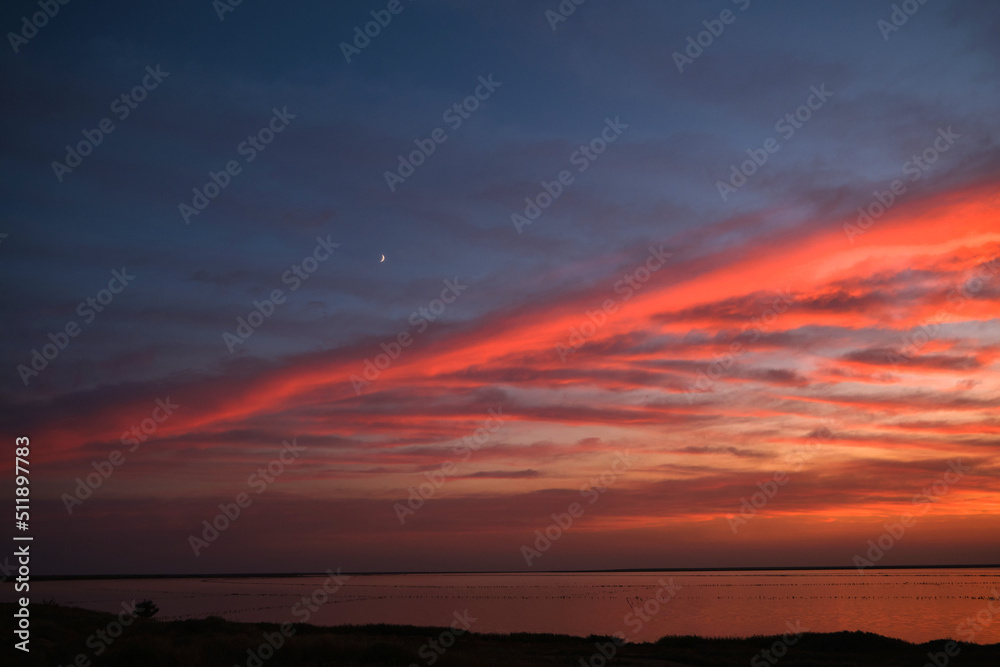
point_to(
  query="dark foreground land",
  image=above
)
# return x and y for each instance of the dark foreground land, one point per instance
(64, 636)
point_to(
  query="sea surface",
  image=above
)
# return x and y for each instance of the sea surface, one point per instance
(915, 605)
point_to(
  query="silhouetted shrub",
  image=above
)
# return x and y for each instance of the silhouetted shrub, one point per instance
(146, 609)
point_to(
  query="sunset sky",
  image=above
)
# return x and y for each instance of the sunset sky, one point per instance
(704, 330)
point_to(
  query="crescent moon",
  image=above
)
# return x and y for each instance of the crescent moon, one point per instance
(382, 260)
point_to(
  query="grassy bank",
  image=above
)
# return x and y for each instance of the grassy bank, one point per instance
(60, 635)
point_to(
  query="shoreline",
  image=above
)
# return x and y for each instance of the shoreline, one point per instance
(61, 635)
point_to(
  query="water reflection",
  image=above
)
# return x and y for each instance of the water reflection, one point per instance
(915, 605)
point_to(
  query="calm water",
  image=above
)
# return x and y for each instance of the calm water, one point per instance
(915, 605)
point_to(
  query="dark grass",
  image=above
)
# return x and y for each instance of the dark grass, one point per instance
(59, 634)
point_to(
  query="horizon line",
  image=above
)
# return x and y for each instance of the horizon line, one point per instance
(258, 575)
